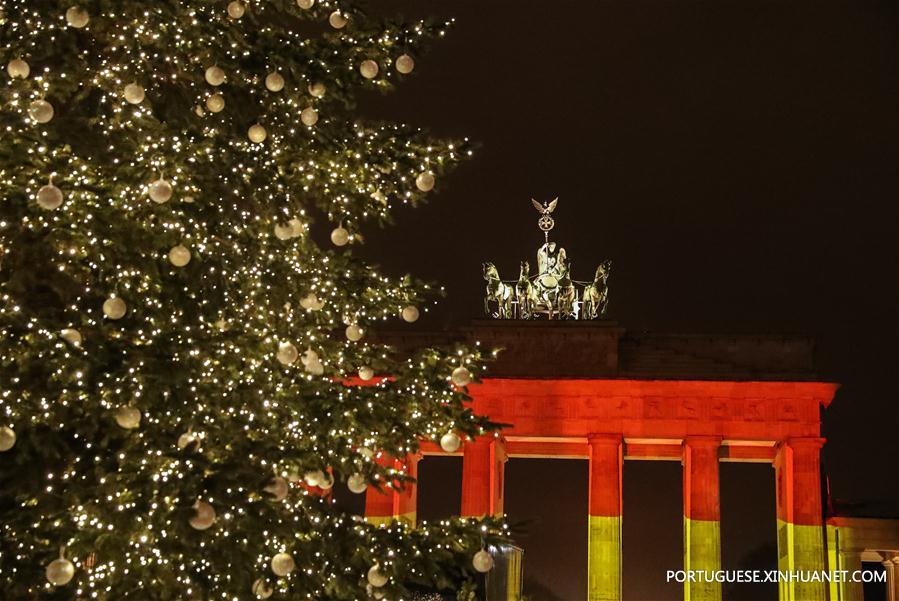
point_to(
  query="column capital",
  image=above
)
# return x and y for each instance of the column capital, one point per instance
(702, 441)
(596, 438)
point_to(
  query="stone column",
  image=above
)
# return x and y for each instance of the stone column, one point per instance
(604, 541)
(483, 467)
(851, 561)
(891, 564)
(702, 517)
(384, 506)
(800, 544)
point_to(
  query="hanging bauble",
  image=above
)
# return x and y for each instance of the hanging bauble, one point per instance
(305, 4)
(188, 441)
(277, 488)
(297, 227)
(450, 442)
(368, 69)
(215, 103)
(215, 76)
(7, 438)
(340, 236)
(18, 68)
(283, 232)
(410, 314)
(287, 353)
(114, 308)
(376, 577)
(357, 484)
(366, 373)
(283, 564)
(425, 181)
(311, 302)
(482, 561)
(128, 417)
(310, 356)
(134, 93)
(160, 191)
(353, 333)
(317, 89)
(309, 116)
(236, 9)
(461, 376)
(366, 452)
(337, 20)
(313, 477)
(199, 111)
(49, 197)
(203, 517)
(274, 82)
(179, 256)
(71, 336)
(405, 64)
(261, 589)
(60, 571)
(315, 368)
(77, 17)
(41, 111)
(257, 134)
(326, 481)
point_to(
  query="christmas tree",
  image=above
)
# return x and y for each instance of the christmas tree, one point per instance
(184, 371)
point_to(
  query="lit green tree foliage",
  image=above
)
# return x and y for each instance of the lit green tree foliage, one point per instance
(178, 357)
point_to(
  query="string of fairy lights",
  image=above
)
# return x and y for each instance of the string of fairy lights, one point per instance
(180, 357)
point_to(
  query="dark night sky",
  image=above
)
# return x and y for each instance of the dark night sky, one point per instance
(738, 162)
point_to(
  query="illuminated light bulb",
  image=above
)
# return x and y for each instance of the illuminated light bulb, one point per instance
(71, 336)
(405, 64)
(215, 76)
(317, 89)
(450, 442)
(482, 561)
(366, 373)
(354, 333)
(305, 4)
(425, 181)
(337, 20)
(60, 572)
(160, 191)
(257, 134)
(278, 488)
(340, 236)
(461, 376)
(188, 440)
(236, 9)
(283, 564)
(7, 438)
(376, 577)
(287, 353)
(49, 197)
(274, 82)
(261, 589)
(368, 69)
(309, 116)
(410, 314)
(17, 67)
(204, 516)
(215, 103)
(134, 93)
(77, 17)
(114, 308)
(179, 256)
(41, 111)
(128, 417)
(357, 484)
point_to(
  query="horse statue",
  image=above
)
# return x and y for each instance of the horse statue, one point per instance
(498, 292)
(596, 293)
(524, 292)
(567, 294)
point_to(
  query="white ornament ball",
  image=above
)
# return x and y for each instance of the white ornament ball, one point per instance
(160, 191)
(313, 478)
(261, 589)
(326, 481)
(186, 440)
(49, 197)
(425, 181)
(277, 488)
(283, 564)
(114, 308)
(179, 256)
(274, 82)
(296, 227)
(215, 76)
(315, 368)
(287, 353)
(310, 356)
(461, 376)
(368, 69)
(134, 93)
(357, 484)
(283, 232)
(257, 134)
(450, 442)
(305, 4)
(309, 116)
(215, 103)
(77, 17)
(204, 516)
(376, 577)
(311, 302)
(199, 111)
(482, 561)
(318, 89)
(18, 68)
(60, 571)
(366, 373)
(337, 20)
(41, 111)
(7, 438)
(236, 9)
(405, 64)
(340, 236)
(71, 336)
(410, 314)
(353, 333)
(128, 417)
